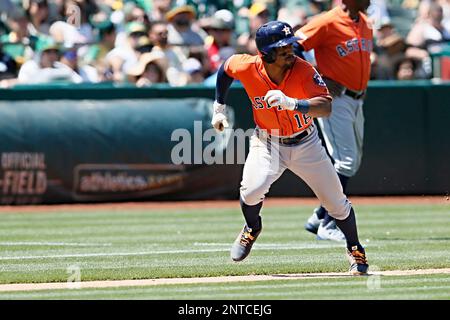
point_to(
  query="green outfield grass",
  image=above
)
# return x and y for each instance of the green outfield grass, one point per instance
(139, 244)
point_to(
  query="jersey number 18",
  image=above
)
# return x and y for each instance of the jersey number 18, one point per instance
(302, 119)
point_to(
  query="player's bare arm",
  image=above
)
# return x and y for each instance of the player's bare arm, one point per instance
(319, 107)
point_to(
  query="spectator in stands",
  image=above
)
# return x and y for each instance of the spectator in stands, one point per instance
(224, 54)
(318, 6)
(430, 32)
(130, 12)
(135, 13)
(44, 68)
(405, 69)
(96, 53)
(194, 69)
(150, 69)
(18, 43)
(159, 10)
(66, 34)
(122, 58)
(105, 39)
(389, 47)
(220, 29)
(143, 45)
(426, 36)
(296, 17)
(175, 57)
(111, 35)
(181, 29)
(39, 17)
(446, 13)
(84, 73)
(8, 69)
(258, 14)
(377, 71)
(422, 7)
(378, 13)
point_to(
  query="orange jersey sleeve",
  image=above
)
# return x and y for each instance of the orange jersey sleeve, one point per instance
(237, 64)
(341, 46)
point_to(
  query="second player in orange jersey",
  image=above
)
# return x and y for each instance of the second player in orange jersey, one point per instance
(342, 42)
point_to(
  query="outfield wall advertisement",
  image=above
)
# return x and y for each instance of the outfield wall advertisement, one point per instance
(110, 150)
(24, 178)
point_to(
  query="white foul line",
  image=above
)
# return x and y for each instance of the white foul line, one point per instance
(155, 252)
(102, 254)
(55, 244)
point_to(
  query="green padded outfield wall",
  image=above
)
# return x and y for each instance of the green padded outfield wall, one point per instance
(67, 143)
(55, 151)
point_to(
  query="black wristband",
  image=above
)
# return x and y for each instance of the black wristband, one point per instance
(302, 106)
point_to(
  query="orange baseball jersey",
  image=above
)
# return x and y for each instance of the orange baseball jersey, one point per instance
(301, 82)
(341, 46)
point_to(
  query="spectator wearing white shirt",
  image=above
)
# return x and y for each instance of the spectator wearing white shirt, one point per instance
(124, 57)
(84, 73)
(44, 67)
(158, 35)
(426, 36)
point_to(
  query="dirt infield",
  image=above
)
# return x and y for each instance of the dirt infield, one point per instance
(269, 202)
(228, 279)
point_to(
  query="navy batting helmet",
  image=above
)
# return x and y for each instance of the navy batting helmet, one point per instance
(273, 34)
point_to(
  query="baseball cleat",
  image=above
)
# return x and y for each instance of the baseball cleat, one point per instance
(330, 232)
(358, 262)
(313, 222)
(243, 243)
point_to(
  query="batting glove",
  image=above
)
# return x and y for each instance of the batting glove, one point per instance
(219, 119)
(277, 98)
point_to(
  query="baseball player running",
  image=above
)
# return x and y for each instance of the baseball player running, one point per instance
(342, 42)
(286, 93)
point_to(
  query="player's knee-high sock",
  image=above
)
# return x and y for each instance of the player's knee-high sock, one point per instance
(344, 180)
(325, 216)
(348, 228)
(251, 214)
